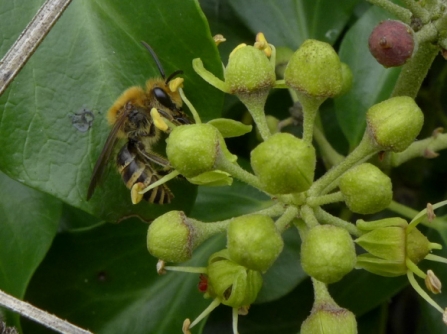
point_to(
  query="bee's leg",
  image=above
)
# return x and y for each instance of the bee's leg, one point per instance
(152, 157)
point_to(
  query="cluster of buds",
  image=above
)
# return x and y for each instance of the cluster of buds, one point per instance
(284, 168)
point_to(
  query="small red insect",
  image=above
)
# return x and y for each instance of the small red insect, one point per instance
(203, 283)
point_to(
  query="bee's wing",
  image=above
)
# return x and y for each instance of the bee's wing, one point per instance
(104, 157)
(151, 157)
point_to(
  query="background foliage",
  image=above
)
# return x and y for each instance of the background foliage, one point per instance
(56, 249)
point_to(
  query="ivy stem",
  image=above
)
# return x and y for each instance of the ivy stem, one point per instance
(310, 106)
(331, 156)
(417, 10)
(308, 216)
(325, 199)
(237, 171)
(322, 295)
(204, 231)
(415, 70)
(401, 13)
(283, 221)
(326, 183)
(255, 104)
(422, 148)
(275, 210)
(327, 218)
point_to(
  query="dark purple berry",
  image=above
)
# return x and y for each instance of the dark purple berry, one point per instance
(392, 43)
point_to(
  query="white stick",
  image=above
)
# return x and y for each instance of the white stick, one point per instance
(42, 317)
(29, 40)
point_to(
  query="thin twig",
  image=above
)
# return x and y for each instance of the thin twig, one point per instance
(42, 317)
(29, 40)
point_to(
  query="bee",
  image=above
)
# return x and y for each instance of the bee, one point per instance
(130, 118)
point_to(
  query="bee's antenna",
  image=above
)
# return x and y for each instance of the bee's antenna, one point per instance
(152, 52)
(173, 75)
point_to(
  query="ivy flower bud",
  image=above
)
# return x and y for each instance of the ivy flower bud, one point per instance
(284, 164)
(328, 319)
(366, 189)
(254, 242)
(169, 237)
(328, 253)
(394, 123)
(392, 43)
(193, 149)
(315, 69)
(233, 284)
(249, 71)
(172, 237)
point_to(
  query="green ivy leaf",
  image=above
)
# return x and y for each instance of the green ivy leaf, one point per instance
(290, 22)
(90, 57)
(28, 224)
(372, 83)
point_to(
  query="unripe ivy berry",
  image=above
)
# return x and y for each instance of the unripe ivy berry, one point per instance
(170, 237)
(254, 242)
(394, 123)
(193, 149)
(315, 69)
(366, 189)
(233, 284)
(328, 253)
(392, 43)
(328, 319)
(284, 164)
(249, 70)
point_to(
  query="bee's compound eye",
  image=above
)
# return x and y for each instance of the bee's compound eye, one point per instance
(164, 98)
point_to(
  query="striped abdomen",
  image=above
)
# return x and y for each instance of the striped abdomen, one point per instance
(134, 168)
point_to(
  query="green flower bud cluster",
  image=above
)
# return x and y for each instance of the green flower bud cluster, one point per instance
(284, 168)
